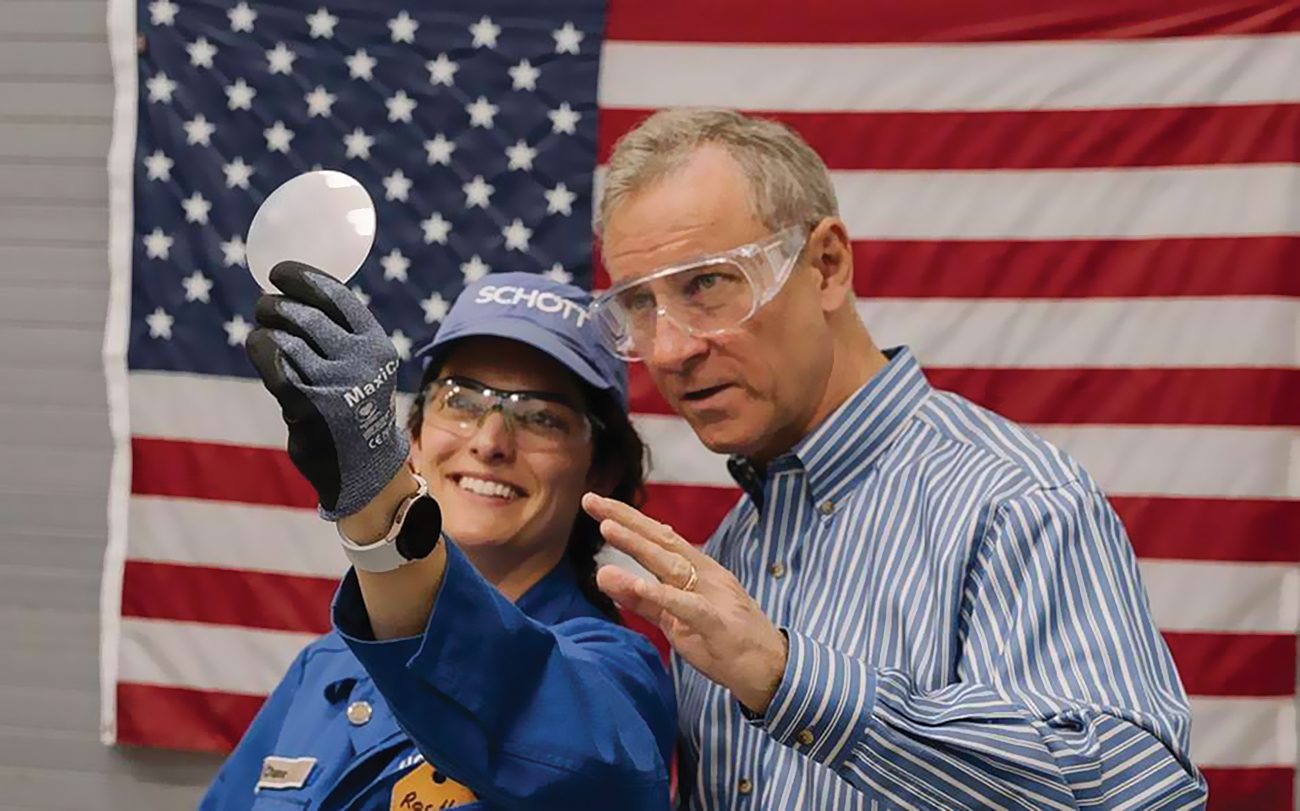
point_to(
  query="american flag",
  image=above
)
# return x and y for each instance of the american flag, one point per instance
(1083, 216)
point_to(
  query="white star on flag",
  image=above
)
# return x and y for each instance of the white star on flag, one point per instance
(517, 235)
(198, 131)
(361, 295)
(361, 65)
(441, 70)
(358, 144)
(402, 28)
(160, 88)
(157, 245)
(159, 166)
(564, 119)
(395, 266)
(281, 59)
(237, 174)
(233, 251)
(201, 52)
(240, 95)
(435, 308)
(400, 107)
(559, 200)
(319, 102)
(160, 324)
(567, 39)
(474, 269)
(197, 287)
(196, 208)
(322, 24)
(436, 229)
(521, 155)
(401, 343)
(242, 18)
(163, 12)
(397, 186)
(557, 273)
(524, 76)
(485, 33)
(237, 330)
(478, 192)
(278, 137)
(481, 112)
(439, 150)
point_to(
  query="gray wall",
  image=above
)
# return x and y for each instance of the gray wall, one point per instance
(55, 117)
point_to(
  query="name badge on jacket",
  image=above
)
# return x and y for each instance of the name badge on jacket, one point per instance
(427, 790)
(284, 772)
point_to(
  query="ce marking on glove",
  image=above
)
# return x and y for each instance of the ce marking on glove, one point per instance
(374, 421)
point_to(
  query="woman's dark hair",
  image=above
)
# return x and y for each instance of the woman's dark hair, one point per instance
(618, 454)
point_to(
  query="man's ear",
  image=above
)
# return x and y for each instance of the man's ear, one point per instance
(830, 251)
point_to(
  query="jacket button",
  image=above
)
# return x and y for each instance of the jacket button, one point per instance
(777, 570)
(805, 737)
(359, 713)
(744, 786)
(826, 507)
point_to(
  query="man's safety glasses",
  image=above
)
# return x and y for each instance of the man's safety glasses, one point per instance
(537, 420)
(704, 296)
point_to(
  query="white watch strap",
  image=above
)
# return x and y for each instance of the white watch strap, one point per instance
(383, 555)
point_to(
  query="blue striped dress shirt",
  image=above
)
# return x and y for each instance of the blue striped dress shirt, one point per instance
(966, 622)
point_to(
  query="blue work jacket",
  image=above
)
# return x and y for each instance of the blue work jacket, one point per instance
(539, 704)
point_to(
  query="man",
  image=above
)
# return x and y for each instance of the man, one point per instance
(916, 603)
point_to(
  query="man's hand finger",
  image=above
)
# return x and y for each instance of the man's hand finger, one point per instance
(602, 509)
(669, 567)
(656, 602)
(621, 587)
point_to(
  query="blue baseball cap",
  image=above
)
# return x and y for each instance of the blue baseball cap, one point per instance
(535, 310)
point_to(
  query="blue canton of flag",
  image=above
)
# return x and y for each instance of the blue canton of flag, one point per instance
(471, 124)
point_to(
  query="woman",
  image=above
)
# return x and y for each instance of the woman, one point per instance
(485, 673)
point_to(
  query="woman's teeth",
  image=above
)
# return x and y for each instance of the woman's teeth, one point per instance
(483, 487)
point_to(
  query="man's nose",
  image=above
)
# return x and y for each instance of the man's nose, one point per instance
(673, 346)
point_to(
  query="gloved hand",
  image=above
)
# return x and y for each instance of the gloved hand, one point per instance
(333, 369)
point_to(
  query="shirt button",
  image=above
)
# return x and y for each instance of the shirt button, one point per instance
(359, 713)
(826, 507)
(805, 737)
(744, 786)
(777, 569)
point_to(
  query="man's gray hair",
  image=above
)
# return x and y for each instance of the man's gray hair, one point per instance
(788, 182)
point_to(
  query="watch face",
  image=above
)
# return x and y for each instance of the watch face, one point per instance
(421, 529)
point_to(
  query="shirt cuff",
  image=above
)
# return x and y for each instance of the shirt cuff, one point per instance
(824, 702)
(352, 621)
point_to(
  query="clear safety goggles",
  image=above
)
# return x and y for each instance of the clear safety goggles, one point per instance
(537, 420)
(705, 296)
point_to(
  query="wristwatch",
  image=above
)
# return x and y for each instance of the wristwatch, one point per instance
(416, 528)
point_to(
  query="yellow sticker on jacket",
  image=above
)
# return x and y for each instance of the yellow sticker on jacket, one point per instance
(424, 789)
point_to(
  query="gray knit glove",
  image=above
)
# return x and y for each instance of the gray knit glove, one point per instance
(333, 369)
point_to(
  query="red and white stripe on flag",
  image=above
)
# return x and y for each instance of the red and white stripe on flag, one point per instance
(1085, 216)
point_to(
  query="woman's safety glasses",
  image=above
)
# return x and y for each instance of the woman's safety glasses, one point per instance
(537, 420)
(705, 296)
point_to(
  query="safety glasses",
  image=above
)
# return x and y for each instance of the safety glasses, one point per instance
(705, 296)
(537, 420)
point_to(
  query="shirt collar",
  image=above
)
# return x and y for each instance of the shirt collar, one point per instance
(548, 599)
(839, 452)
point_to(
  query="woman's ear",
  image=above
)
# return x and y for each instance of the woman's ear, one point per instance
(602, 478)
(413, 456)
